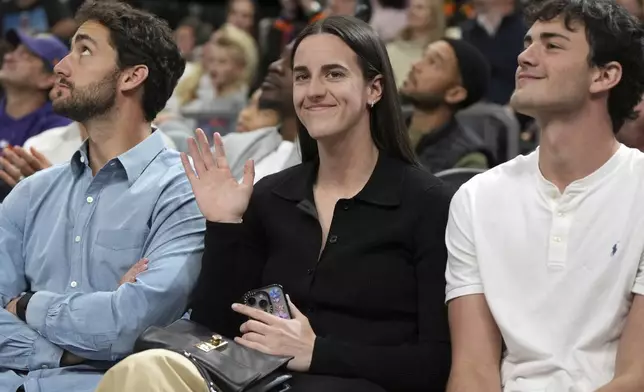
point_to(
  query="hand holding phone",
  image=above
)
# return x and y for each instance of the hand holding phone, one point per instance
(270, 299)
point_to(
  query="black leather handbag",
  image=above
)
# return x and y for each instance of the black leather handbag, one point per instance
(225, 365)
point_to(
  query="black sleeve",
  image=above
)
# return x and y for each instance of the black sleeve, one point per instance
(421, 367)
(232, 264)
(56, 11)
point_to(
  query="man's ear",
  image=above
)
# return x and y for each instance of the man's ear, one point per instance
(133, 77)
(606, 77)
(375, 89)
(455, 95)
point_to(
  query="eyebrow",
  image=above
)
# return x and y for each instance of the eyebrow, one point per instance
(85, 37)
(547, 35)
(324, 68)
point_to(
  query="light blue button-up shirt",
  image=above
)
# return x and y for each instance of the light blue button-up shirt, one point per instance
(70, 237)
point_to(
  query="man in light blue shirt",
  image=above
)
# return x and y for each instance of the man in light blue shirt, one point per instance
(73, 295)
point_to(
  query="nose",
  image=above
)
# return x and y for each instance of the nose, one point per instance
(62, 68)
(276, 66)
(9, 56)
(528, 57)
(315, 89)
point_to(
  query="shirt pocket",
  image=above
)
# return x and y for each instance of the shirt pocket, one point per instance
(121, 239)
(113, 254)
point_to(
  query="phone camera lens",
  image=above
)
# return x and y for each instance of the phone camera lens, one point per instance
(252, 301)
(263, 304)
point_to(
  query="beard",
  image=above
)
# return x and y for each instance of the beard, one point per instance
(426, 102)
(87, 103)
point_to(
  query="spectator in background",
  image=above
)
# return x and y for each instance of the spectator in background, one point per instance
(497, 31)
(450, 77)
(425, 24)
(457, 12)
(390, 17)
(632, 132)
(254, 117)
(73, 297)
(4, 49)
(37, 16)
(272, 148)
(185, 35)
(243, 14)
(294, 16)
(26, 77)
(248, 44)
(222, 80)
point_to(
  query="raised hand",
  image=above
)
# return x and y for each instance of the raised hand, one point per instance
(219, 196)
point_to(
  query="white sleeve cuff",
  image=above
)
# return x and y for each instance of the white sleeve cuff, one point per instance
(463, 291)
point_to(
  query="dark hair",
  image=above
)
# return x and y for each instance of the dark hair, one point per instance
(388, 129)
(140, 38)
(613, 35)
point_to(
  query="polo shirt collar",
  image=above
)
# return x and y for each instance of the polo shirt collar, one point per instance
(134, 161)
(381, 189)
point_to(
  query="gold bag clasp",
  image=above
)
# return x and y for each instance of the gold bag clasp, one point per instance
(216, 342)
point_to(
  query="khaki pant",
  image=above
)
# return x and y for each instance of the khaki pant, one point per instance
(153, 371)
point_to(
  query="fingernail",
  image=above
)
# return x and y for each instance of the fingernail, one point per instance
(236, 306)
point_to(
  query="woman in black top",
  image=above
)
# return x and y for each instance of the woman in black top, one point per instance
(355, 234)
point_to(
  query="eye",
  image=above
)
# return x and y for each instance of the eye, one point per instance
(300, 77)
(552, 46)
(85, 51)
(335, 74)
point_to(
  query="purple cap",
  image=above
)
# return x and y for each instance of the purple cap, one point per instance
(49, 48)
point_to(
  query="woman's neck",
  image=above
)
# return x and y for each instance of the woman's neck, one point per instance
(346, 164)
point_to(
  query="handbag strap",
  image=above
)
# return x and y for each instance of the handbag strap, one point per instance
(212, 387)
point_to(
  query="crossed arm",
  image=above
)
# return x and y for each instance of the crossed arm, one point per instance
(99, 325)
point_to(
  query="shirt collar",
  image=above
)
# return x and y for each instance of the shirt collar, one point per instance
(134, 161)
(586, 183)
(382, 188)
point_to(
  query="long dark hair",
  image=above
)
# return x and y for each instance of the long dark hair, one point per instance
(388, 129)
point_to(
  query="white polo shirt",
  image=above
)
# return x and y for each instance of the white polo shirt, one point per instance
(557, 270)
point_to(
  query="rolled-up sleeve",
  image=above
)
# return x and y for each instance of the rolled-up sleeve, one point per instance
(462, 272)
(105, 325)
(21, 348)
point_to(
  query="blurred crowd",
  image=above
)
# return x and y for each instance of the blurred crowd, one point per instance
(240, 90)
(454, 63)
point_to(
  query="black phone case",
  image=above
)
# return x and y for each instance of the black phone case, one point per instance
(276, 303)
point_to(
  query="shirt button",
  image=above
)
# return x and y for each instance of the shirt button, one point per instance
(73, 284)
(82, 159)
(556, 239)
(45, 367)
(90, 199)
(77, 239)
(560, 214)
(333, 239)
(310, 271)
(345, 207)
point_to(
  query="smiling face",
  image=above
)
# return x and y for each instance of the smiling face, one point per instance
(330, 93)
(88, 78)
(553, 73)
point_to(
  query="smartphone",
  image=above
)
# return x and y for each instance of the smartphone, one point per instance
(270, 299)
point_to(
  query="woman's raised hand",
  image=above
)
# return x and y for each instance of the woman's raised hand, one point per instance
(219, 196)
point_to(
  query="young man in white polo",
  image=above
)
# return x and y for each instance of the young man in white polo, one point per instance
(545, 251)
